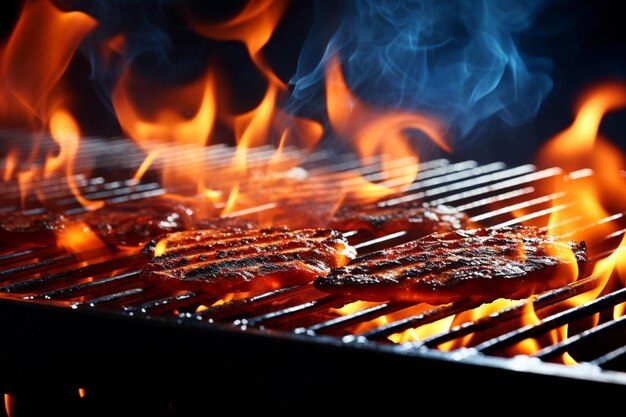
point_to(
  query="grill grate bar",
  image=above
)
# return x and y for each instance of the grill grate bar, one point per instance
(158, 306)
(475, 173)
(324, 303)
(495, 199)
(89, 286)
(13, 190)
(32, 253)
(605, 361)
(241, 307)
(110, 297)
(498, 186)
(552, 322)
(540, 301)
(118, 260)
(523, 205)
(426, 317)
(596, 332)
(22, 270)
(115, 192)
(459, 185)
(534, 215)
(343, 322)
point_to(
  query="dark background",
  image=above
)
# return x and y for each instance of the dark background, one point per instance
(585, 40)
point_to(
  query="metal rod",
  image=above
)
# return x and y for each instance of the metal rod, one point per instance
(89, 286)
(241, 307)
(552, 322)
(595, 332)
(426, 317)
(118, 261)
(513, 312)
(360, 316)
(331, 301)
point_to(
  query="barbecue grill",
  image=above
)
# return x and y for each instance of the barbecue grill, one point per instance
(84, 320)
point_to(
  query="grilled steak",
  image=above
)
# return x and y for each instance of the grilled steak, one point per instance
(223, 261)
(224, 223)
(477, 264)
(415, 218)
(136, 222)
(37, 228)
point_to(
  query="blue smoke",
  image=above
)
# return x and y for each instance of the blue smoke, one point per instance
(458, 60)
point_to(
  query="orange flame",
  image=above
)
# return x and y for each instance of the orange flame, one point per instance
(10, 163)
(580, 146)
(424, 331)
(253, 26)
(9, 404)
(577, 146)
(36, 56)
(375, 131)
(79, 238)
(594, 188)
(167, 124)
(66, 133)
(152, 114)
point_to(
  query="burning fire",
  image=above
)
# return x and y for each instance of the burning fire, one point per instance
(591, 191)
(35, 59)
(174, 124)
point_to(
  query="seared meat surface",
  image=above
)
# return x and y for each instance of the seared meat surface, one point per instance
(415, 218)
(477, 264)
(38, 228)
(136, 222)
(223, 261)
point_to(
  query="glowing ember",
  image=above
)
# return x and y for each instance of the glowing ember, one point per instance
(78, 238)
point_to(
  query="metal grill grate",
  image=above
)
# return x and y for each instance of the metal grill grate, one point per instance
(37, 279)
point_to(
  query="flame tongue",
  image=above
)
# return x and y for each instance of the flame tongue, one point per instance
(66, 133)
(377, 131)
(37, 55)
(168, 123)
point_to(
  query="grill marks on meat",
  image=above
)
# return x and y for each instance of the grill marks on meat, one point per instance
(477, 264)
(218, 261)
(122, 224)
(39, 228)
(136, 222)
(415, 218)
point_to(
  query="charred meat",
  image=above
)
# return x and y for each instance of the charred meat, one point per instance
(136, 222)
(417, 219)
(41, 228)
(223, 261)
(477, 264)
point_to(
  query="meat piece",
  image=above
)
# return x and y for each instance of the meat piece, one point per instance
(224, 223)
(40, 228)
(477, 264)
(134, 223)
(224, 261)
(415, 218)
